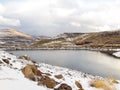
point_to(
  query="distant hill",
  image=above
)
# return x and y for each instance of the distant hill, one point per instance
(12, 39)
(69, 35)
(13, 32)
(96, 39)
(100, 39)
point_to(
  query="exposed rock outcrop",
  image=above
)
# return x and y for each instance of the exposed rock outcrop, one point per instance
(6, 61)
(48, 82)
(64, 87)
(31, 71)
(79, 85)
(60, 76)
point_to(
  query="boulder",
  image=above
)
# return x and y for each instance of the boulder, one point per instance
(24, 57)
(48, 82)
(31, 71)
(60, 76)
(6, 61)
(64, 87)
(78, 85)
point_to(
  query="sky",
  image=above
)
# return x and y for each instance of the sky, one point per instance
(53, 17)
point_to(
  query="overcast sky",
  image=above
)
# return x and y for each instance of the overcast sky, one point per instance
(51, 17)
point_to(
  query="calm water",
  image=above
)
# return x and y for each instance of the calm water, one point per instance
(91, 62)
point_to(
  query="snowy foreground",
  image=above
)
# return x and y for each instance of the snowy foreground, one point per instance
(117, 54)
(12, 77)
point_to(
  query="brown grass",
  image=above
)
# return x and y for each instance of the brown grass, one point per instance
(107, 84)
(102, 39)
(44, 41)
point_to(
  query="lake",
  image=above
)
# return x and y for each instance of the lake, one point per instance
(91, 62)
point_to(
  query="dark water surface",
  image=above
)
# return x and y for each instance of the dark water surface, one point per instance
(92, 62)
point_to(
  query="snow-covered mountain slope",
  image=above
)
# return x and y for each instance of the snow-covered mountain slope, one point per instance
(12, 77)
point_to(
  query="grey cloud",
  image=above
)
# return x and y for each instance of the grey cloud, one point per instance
(51, 17)
(6, 21)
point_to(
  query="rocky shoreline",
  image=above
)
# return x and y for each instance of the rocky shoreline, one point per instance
(23, 73)
(68, 48)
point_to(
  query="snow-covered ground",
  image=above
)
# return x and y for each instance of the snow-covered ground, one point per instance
(12, 78)
(117, 54)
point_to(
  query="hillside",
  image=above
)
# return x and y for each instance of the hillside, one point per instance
(21, 73)
(101, 39)
(17, 33)
(13, 32)
(108, 39)
(12, 39)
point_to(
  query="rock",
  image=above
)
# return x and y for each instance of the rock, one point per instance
(60, 76)
(113, 80)
(85, 75)
(64, 87)
(31, 71)
(78, 85)
(25, 57)
(48, 82)
(0, 62)
(48, 74)
(6, 61)
(11, 53)
(39, 73)
(33, 61)
(9, 58)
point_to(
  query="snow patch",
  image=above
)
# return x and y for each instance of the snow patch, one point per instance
(117, 54)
